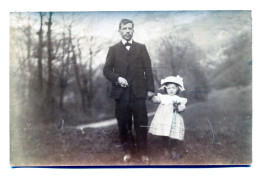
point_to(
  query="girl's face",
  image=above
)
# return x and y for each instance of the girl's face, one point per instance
(172, 89)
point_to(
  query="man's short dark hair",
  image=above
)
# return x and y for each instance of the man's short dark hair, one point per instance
(125, 21)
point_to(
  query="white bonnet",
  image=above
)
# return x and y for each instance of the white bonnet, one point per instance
(174, 79)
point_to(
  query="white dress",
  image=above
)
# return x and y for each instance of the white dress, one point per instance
(167, 121)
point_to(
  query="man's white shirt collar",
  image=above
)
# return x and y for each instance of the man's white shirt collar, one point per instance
(124, 41)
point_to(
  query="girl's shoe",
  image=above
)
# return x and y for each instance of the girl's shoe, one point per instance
(175, 155)
(127, 157)
(145, 159)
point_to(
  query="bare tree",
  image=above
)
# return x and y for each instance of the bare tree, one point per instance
(40, 52)
(28, 35)
(92, 54)
(64, 73)
(28, 67)
(84, 89)
(49, 103)
(50, 58)
(81, 85)
(181, 57)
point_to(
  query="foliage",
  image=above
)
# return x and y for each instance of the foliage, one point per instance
(236, 69)
(182, 57)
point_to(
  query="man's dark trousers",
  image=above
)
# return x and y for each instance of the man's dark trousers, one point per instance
(135, 66)
(128, 106)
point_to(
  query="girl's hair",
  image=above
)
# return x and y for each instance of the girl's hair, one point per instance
(177, 85)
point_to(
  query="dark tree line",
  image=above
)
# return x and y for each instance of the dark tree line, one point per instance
(58, 76)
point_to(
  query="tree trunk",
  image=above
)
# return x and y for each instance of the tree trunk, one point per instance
(40, 48)
(83, 89)
(31, 85)
(78, 81)
(49, 98)
(90, 80)
(29, 46)
(49, 88)
(63, 77)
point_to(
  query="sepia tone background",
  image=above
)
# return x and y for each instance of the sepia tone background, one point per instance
(57, 88)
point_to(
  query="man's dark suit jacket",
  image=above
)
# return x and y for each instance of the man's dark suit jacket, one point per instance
(133, 65)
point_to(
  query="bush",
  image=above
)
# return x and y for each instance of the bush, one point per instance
(236, 70)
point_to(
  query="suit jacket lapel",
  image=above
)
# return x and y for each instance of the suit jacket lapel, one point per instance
(133, 47)
(122, 46)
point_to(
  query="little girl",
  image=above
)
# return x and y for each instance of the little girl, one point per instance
(167, 120)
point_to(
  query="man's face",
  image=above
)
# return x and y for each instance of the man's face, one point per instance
(126, 31)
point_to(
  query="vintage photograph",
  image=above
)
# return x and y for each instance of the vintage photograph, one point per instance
(131, 88)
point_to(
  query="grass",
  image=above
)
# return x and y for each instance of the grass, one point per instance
(227, 114)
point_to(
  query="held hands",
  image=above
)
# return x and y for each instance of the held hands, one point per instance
(150, 95)
(122, 82)
(156, 99)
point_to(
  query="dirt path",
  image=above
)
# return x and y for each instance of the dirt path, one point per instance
(105, 123)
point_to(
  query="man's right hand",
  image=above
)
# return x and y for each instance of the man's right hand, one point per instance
(122, 82)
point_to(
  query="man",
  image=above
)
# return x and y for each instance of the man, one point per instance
(128, 68)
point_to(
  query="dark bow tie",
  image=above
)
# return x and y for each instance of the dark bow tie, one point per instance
(128, 44)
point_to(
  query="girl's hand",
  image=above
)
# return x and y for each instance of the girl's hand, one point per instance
(176, 100)
(180, 108)
(156, 99)
(176, 103)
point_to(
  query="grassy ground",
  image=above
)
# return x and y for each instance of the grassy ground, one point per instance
(218, 131)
